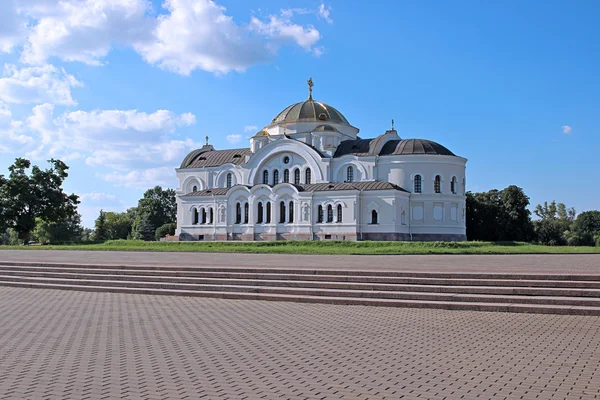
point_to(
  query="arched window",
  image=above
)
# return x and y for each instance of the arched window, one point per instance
(286, 175)
(418, 188)
(265, 177)
(195, 188)
(403, 220)
(238, 213)
(268, 212)
(339, 213)
(195, 216)
(203, 215)
(210, 216)
(350, 174)
(453, 185)
(329, 213)
(291, 212)
(259, 214)
(437, 184)
(374, 216)
(228, 180)
(275, 177)
(297, 176)
(246, 207)
(308, 176)
(320, 214)
(282, 212)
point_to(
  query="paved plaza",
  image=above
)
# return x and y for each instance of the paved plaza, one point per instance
(78, 345)
(531, 263)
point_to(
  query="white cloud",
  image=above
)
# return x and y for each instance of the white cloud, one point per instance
(197, 34)
(250, 128)
(44, 84)
(12, 132)
(5, 114)
(280, 30)
(84, 30)
(184, 36)
(130, 145)
(567, 130)
(143, 179)
(234, 139)
(118, 139)
(324, 12)
(12, 28)
(96, 197)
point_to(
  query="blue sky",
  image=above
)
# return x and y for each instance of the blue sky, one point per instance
(123, 89)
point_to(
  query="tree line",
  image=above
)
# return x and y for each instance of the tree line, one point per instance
(34, 206)
(502, 215)
(153, 218)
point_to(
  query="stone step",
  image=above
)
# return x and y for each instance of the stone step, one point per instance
(448, 287)
(449, 305)
(312, 271)
(327, 292)
(43, 271)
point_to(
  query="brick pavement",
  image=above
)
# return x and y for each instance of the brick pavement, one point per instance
(532, 263)
(80, 345)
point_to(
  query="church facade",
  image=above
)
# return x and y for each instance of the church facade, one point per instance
(309, 176)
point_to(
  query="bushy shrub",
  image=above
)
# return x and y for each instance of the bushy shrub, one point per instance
(551, 232)
(164, 230)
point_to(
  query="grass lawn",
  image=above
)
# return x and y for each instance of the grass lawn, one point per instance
(328, 247)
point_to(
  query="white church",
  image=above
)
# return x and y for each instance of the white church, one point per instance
(309, 176)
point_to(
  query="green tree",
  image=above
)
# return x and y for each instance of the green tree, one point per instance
(87, 234)
(119, 225)
(144, 228)
(156, 208)
(586, 229)
(28, 195)
(499, 215)
(101, 231)
(66, 230)
(166, 229)
(554, 223)
(10, 237)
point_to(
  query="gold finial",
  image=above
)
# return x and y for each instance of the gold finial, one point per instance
(310, 86)
(392, 124)
(207, 140)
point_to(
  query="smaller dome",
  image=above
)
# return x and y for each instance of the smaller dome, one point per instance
(414, 146)
(325, 128)
(310, 111)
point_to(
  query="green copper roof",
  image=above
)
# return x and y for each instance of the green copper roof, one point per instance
(310, 111)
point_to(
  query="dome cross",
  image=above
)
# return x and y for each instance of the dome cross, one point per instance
(310, 86)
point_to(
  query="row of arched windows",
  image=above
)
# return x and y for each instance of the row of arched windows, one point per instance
(286, 176)
(321, 217)
(264, 213)
(203, 216)
(437, 184)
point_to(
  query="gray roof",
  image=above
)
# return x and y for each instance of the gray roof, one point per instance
(310, 111)
(314, 187)
(362, 147)
(211, 192)
(214, 158)
(362, 186)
